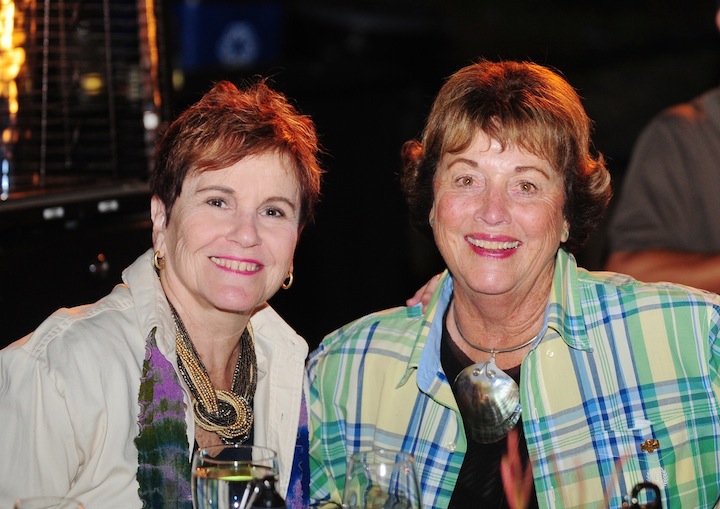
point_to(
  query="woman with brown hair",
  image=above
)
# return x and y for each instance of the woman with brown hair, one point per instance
(593, 382)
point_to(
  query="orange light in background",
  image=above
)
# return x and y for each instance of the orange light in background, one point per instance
(153, 58)
(92, 83)
(12, 57)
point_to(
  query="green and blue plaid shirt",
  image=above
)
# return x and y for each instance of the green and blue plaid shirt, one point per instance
(622, 388)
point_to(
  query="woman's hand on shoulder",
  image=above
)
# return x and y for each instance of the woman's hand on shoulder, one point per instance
(424, 293)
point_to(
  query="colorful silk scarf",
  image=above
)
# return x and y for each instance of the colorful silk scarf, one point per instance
(163, 464)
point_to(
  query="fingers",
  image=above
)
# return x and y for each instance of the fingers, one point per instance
(424, 294)
(417, 298)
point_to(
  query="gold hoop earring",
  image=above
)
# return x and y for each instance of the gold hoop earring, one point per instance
(158, 261)
(288, 281)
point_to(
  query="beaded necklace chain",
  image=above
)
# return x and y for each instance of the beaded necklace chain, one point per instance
(227, 413)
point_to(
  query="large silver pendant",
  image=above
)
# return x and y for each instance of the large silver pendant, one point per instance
(489, 401)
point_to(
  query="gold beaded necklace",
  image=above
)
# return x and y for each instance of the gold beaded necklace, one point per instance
(227, 413)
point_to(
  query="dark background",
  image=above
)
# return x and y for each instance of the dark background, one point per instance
(369, 87)
(367, 71)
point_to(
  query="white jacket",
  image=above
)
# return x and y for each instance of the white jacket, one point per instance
(69, 394)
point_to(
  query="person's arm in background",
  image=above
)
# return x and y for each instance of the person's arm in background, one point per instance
(663, 227)
(694, 269)
(668, 150)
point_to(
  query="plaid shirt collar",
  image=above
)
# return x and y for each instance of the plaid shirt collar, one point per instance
(563, 314)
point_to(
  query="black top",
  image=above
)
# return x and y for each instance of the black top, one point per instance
(479, 483)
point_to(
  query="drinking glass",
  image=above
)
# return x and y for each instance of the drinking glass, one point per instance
(381, 479)
(223, 476)
(47, 503)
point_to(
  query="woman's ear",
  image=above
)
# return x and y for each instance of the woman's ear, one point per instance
(158, 215)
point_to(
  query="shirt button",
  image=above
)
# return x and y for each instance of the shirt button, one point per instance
(550, 354)
(451, 446)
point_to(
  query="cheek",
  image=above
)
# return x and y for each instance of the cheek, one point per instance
(283, 243)
(546, 221)
(448, 228)
(188, 234)
(448, 210)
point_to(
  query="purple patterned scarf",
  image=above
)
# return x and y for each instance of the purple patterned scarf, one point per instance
(163, 464)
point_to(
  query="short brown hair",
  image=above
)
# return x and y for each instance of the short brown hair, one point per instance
(228, 124)
(516, 103)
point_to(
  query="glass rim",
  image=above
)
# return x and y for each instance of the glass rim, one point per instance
(206, 454)
(394, 455)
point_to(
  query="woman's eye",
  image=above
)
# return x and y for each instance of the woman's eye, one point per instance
(465, 181)
(527, 187)
(275, 212)
(216, 202)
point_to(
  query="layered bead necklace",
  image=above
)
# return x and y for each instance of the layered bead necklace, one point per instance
(227, 413)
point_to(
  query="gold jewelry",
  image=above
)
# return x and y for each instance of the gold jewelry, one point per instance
(229, 414)
(158, 261)
(288, 281)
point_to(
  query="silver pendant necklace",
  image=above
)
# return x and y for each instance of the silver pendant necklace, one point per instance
(488, 398)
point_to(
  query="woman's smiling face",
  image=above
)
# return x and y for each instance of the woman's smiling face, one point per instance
(497, 217)
(230, 240)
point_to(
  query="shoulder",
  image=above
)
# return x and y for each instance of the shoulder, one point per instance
(80, 339)
(697, 113)
(271, 329)
(129, 311)
(84, 361)
(394, 324)
(663, 297)
(392, 331)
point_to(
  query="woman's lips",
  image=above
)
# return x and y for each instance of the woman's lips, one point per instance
(493, 245)
(236, 265)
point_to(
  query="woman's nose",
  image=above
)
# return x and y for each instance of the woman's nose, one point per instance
(245, 230)
(493, 207)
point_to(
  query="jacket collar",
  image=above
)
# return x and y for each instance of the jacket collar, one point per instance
(564, 314)
(565, 311)
(273, 336)
(151, 305)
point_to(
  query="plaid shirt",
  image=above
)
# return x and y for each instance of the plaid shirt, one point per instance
(622, 388)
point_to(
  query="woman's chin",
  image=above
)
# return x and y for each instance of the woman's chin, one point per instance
(237, 304)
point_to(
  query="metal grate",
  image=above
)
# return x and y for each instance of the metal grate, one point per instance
(84, 97)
